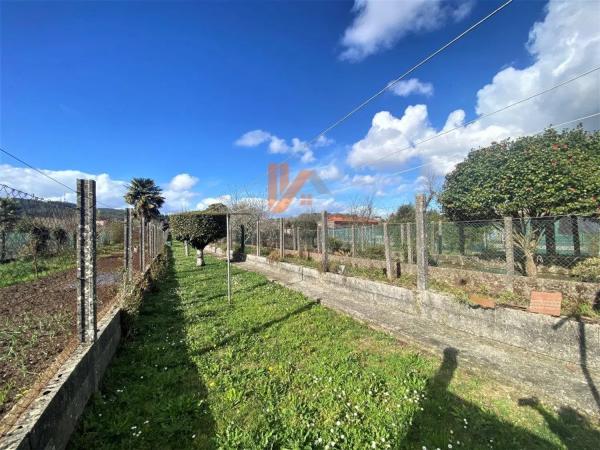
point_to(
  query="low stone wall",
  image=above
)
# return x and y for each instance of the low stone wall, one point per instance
(588, 292)
(560, 338)
(51, 419)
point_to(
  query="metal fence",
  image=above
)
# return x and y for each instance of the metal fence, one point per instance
(513, 256)
(61, 267)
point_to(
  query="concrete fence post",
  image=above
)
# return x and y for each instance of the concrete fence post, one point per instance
(509, 248)
(363, 237)
(391, 273)
(318, 238)
(242, 239)
(258, 238)
(324, 259)
(185, 246)
(439, 237)
(353, 247)
(86, 260)
(128, 244)
(421, 240)
(409, 246)
(142, 243)
(298, 241)
(402, 244)
(281, 239)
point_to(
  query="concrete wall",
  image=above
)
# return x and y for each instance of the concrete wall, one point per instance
(52, 417)
(522, 286)
(559, 338)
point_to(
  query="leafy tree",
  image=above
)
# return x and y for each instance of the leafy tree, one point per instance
(61, 238)
(9, 217)
(145, 197)
(38, 239)
(200, 228)
(530, 177)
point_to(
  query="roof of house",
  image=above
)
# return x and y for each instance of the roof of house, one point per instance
(349, 218)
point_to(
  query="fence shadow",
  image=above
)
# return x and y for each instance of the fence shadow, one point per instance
(152, 385)
(450, 415)
(255, 329)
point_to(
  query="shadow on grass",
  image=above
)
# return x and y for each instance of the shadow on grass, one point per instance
(455, 419)
(256, 329)
(151, 395)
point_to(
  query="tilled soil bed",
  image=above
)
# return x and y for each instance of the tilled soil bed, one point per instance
(37, 323)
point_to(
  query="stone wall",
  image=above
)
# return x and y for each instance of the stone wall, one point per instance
(473, 279)
(560, 338)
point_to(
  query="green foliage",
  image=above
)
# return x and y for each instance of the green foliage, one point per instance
(337, 246)
(548, 174)
(587, 270)
(199, 228)
(145, 197)
(405, 213)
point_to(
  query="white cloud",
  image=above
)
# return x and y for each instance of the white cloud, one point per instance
(563, 45)
(405, 88)
(183, 182)
(253, 138)
(277, 145)
(329, 172)
(378, 25)
(108, 191)
(206, 202)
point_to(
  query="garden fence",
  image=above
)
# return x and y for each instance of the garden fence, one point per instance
(61, 267)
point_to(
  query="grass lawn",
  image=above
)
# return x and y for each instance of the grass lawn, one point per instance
(275, 370)
(22, 270)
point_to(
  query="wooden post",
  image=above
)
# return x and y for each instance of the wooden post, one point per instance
(86, 261)
(509, 248)
(324, 259)
(258, 238)
(353, 248)
(421, 243)
(281, 239)
(242, 239)
(391, 274)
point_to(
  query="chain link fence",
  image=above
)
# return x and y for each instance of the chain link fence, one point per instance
(40, 276)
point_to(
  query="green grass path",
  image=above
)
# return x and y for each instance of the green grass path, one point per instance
(274, 370)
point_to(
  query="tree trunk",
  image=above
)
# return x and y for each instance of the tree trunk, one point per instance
(200, 258)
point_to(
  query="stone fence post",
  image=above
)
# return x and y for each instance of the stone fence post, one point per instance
(258, 238)
(324, 259)
(86, 260)
(391, 273)
(421, 243)
(509, 248)
(128, 244)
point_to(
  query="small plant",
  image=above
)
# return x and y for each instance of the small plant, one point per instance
(588, 270)
(274, 256)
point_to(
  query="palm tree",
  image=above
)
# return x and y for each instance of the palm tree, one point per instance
(9, 216)
(144, 195)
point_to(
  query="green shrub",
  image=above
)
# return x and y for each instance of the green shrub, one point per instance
(588, 270)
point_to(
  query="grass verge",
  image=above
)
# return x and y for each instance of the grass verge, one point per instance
(275, 370)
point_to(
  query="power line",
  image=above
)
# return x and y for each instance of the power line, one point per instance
(398, 79)
(37, 170)
(409, 71)
(46, 175)
(568, 122)
(504, 108)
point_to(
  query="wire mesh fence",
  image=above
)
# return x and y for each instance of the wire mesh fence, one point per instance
(40, 285)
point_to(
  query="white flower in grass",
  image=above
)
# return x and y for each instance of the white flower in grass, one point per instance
(449, 445)
(193, 436)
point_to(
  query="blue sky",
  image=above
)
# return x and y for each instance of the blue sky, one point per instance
(159, 89)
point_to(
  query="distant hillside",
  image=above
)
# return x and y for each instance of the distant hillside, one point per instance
(39, 208)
